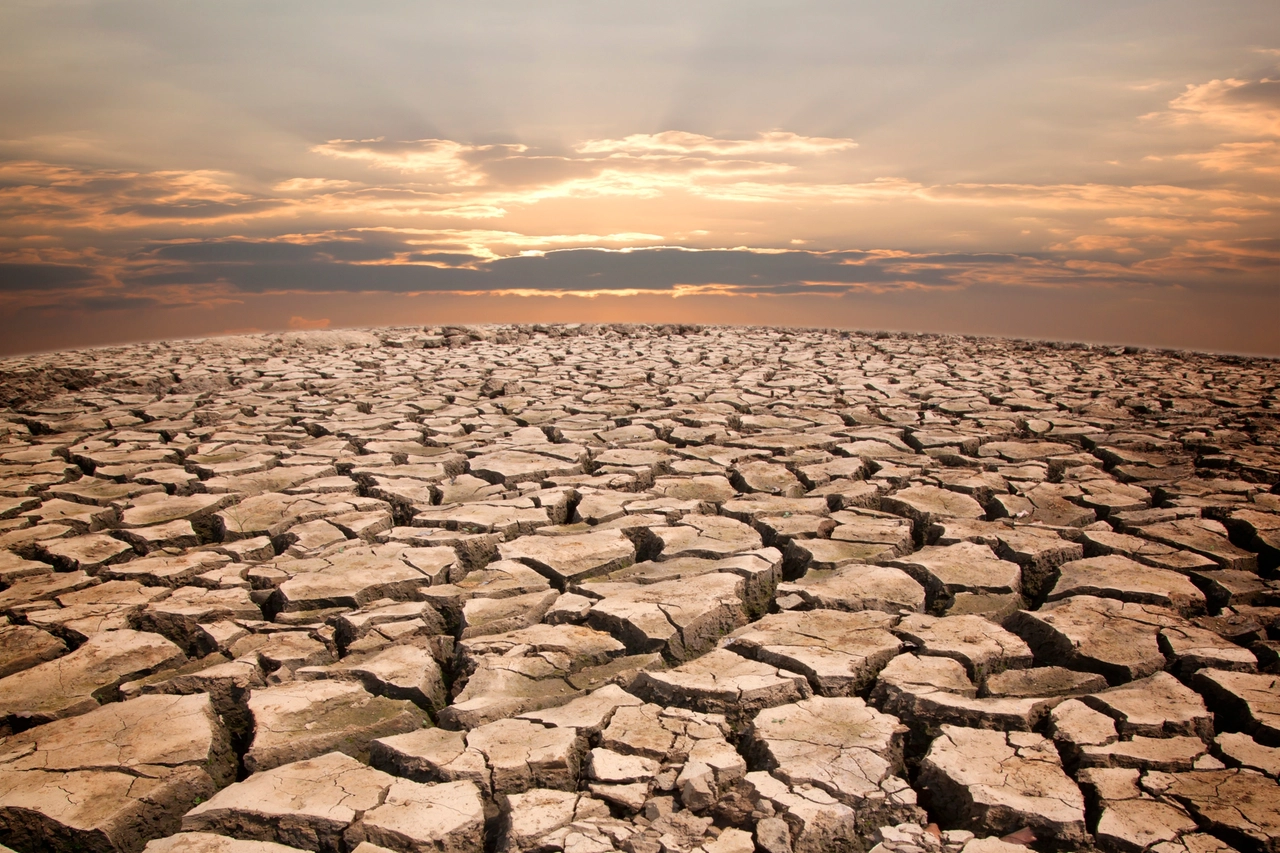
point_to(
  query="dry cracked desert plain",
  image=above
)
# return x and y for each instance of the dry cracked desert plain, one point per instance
(638, 588)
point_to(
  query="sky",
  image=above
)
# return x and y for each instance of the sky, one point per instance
(1097, 171)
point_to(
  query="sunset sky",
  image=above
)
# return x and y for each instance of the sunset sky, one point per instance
(1105, 171)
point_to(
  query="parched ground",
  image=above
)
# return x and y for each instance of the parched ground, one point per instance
(638, 588)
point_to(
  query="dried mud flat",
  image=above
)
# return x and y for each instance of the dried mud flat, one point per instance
(636, 588)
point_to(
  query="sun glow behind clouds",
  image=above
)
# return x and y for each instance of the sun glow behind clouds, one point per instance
(678, 143)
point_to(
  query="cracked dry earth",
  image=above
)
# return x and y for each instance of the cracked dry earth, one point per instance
(646, 589)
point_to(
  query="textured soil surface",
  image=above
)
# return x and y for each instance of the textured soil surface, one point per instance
(638, 588)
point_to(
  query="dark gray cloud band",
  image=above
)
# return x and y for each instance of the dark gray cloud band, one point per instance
(36, 276)
(337, 267)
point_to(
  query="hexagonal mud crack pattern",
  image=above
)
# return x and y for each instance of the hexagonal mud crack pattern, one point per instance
(639, 588)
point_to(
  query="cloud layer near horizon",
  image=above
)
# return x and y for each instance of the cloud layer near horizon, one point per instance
(1153, 189)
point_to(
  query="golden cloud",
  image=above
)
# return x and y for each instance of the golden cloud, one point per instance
(681, 144)
(440, 159)
(312, 185)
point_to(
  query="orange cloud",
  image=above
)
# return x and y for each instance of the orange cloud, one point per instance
(1061, 197)
(1248, 110)
(1096, 243)
(1251, 107)
(55, 196)
(1257, 157)
(303, 323)
(1146, 224)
